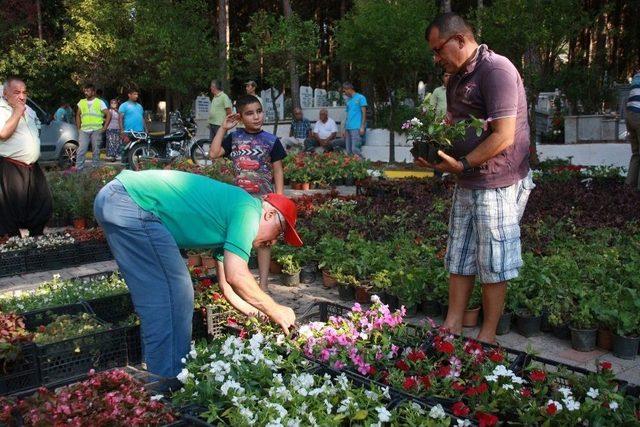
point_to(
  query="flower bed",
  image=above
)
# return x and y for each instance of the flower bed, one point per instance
(325, 169)
(112, 398)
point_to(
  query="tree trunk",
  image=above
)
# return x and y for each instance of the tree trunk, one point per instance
(275, 109)
(293, 69)
(223, 40)
(343, 67)
(446, 6)
(479, 26)
(392, 133)
(39, 13)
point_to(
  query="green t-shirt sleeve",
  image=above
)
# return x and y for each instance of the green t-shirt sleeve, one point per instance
(227, 102)
(241, 231)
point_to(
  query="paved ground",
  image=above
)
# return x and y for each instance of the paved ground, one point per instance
(302, 297)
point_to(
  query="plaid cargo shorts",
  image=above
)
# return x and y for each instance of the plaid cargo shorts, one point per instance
(484, 231)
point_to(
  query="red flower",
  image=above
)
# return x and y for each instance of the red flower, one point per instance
(216, 296)
(537, 376)
(416, 355)
(206, 282)
(426, 381)
(457, 386)
(474, 391)
(402, 365)
(197, 272)
(445, 347)
(552, 408)
(409, 383)
(485, 419)
(460, 409)
(525, 392)
(605, 366)
(443, 371)
(383, 376)
(372, 370)
(496, 356)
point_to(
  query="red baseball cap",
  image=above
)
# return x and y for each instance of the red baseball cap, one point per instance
(289, 211)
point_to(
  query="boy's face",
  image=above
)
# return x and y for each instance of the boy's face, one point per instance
(252, 117)
(133, 96)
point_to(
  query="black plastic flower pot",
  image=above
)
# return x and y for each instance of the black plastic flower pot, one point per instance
(430, 308)
(625, 347)
(346, 292)
(350, 181)
(561, 331)
(504, 324)
(307, 275)
(291, 279)
(527, 325)
(583, 339)
(545, 326)
(390, 300)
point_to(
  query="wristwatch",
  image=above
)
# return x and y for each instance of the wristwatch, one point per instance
(466, 167)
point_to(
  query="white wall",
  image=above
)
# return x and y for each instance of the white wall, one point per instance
(596, 154)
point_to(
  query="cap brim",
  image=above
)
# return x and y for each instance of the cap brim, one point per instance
(291, 236)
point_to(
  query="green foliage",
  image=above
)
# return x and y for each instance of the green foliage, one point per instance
(272, 43)
(290, 264)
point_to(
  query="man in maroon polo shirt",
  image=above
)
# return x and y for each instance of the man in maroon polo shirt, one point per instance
(492, 170)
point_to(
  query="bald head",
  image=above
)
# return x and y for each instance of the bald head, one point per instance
(15, 91)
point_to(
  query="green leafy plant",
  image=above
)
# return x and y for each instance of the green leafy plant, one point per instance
(290, 264)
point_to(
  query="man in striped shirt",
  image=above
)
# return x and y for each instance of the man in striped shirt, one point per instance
(633, 131)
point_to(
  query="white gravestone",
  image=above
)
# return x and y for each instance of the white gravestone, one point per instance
(320, 98)
(202, 107)
(306, 97)
(269, 113)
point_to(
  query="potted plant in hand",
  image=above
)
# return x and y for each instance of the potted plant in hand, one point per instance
(627, 331)
(431, 132)
(290, 270)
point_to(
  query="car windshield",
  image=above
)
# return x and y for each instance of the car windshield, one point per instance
(42, 115)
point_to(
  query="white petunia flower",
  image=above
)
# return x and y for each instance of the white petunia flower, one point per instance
(613, 405)
(463, 423)
(437, 412)
(157, 397)
(565, 391)
(593, 393)
(507, 386)
(384, 416)
(571, 404)
(375, 299)
(183, 376)
(491, 378)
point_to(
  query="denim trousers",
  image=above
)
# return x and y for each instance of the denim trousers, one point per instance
(156, 275)
(84, 138)
(353, 142)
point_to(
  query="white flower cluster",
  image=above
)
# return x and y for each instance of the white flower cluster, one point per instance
(569, 402)
(17, 243)
(502, 371)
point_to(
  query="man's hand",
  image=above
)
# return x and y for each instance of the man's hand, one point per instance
(361, 131)
(125, 138)
(230, 121)
(448, 164)
(284, 316)
(19, 108)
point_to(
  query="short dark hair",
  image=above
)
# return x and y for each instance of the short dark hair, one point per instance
(347, 85)
(88, 86)
(217, 83)
(245, 100)
(449, 24)
(132, 89)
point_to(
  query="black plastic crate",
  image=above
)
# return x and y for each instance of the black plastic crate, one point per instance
(66, 360)
(12, 263)
(21, 374)
(134, 345)
(217, 322)
(51, 258)
(112, 308)
(199, 325)
(321, 311)
(94, 251)
(95, 276)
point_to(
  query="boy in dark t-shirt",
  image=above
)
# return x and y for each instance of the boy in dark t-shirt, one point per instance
(257, 160)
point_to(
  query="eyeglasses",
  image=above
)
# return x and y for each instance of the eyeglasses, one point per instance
(437, 50)
(281, 235)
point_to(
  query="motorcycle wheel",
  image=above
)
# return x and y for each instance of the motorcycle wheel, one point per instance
(141, 153)
(200, 152)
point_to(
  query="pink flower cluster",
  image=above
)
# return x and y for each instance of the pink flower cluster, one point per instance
(337, 340)
(112, 398)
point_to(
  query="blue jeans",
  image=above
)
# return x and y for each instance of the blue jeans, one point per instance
(159, 281)
(353, 142)
(84, 138)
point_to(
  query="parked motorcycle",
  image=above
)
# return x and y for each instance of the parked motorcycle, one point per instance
(178, 145)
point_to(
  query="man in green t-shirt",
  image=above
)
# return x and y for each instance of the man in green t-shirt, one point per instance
(220, 108)
(148, 216)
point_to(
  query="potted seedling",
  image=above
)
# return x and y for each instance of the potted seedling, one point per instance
(346, 285)
(290, 270)
(583, 326)
(627, 332)
(470, 317)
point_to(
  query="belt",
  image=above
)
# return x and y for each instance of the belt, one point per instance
(17, 162)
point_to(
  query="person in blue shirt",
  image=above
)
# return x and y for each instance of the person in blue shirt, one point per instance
(62, 113)
(355, 121)
(131, 115)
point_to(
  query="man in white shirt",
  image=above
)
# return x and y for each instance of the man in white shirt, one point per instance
(324, 134)
(25, 198)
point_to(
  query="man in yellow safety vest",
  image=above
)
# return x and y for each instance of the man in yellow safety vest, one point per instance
(92, 119)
